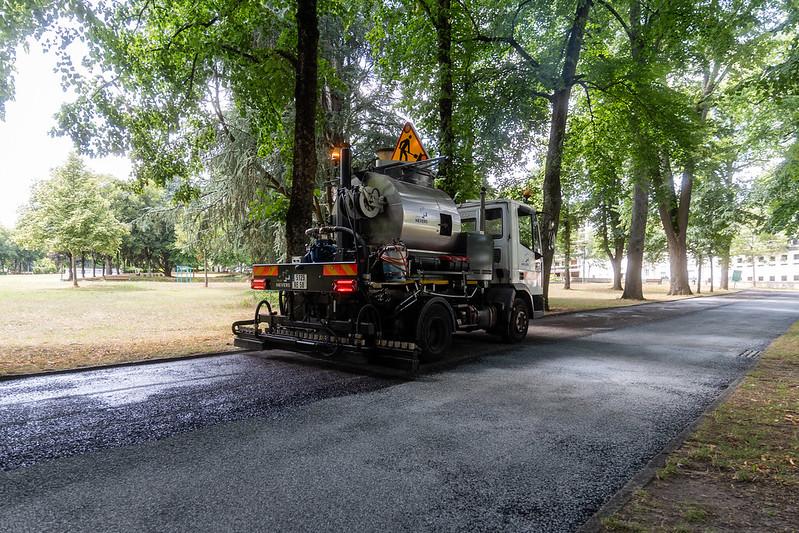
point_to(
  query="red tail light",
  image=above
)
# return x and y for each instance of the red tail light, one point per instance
(258, 284)
(345, 286)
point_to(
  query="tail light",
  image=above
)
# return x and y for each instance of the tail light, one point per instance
(258, 284)
(345, 286)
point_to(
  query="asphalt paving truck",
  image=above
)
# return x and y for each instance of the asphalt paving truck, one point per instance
(398, 269)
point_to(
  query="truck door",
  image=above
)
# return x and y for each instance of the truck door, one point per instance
(527, 244)
(498, 227)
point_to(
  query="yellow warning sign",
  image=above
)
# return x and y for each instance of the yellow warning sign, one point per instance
(409, 146)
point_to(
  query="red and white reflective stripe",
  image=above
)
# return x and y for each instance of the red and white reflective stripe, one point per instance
(264, 270)
(341, 269)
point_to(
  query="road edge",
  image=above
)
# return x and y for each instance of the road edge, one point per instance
(645, 302)
(154, 360)
(648, 472)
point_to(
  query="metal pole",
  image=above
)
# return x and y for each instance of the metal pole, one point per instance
(482, 210)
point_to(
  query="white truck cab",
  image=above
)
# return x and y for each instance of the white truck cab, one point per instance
(517, 244)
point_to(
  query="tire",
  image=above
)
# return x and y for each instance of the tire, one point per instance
(434, 331)
(515, 330)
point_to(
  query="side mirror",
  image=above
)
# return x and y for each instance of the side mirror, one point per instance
(538, 255)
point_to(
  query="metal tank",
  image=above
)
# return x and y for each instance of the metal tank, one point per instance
(421, 217)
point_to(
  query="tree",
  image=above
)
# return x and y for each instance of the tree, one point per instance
(68, 213)
(552, 80)
(300, 211)
(8, 249)
(599, 146)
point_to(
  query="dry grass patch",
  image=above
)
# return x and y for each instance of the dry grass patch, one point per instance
(47, 325)
(587, 296)
(740, 470)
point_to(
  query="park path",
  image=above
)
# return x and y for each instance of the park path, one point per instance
(529, 437)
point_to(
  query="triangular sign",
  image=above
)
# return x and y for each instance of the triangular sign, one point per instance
(409, 146)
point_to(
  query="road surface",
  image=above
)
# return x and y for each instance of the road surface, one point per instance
(533, 437)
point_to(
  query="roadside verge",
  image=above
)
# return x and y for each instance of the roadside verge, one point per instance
(739, 468)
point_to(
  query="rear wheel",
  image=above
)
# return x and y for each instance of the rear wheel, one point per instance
(515, 330)
(434, 331)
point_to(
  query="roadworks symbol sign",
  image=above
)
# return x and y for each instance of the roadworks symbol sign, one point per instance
(409, 146)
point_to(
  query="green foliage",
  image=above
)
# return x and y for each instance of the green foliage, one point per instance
(45, 265)
(69, 213)
(200, 95)
(779, 192)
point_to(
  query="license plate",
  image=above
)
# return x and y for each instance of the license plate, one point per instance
(299, 281)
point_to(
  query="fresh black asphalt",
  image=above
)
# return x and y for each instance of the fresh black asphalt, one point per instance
(532, 437)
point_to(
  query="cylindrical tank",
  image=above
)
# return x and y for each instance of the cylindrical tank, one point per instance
(421, 217)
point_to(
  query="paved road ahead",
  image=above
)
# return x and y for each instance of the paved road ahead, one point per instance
(533, 437)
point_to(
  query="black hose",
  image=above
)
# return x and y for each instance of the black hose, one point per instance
(374, 310)
(258, 312)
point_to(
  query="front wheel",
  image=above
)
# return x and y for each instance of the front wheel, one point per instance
(515, 330)
(434, 331)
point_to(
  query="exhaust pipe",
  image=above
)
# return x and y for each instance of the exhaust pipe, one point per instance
(345, 171)
(482, 210)
(343, 239)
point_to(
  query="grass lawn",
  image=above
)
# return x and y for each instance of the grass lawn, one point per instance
(45, 324)
(740, 469)
(586, 296)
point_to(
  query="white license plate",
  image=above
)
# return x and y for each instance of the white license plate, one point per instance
(299, 281)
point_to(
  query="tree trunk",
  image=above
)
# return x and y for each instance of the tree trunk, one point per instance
(69, 267)
(205, 268)
(699, 274)
(678, 266)
(633, 286)
(166, 266)
(754, 273)
(710, 260)
(615, 262)
(73, 267)
(94, 265)
(674, 219)
(560, 108)
(724, 280)
(83, 266)
(567, 255)
(443, 24)
(300, 211)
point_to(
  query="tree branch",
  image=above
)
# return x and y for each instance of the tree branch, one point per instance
(618, 17)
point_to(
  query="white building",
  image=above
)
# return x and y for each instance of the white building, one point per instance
(775, 270)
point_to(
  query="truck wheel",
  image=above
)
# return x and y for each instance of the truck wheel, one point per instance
(433, 331)
(516, 328)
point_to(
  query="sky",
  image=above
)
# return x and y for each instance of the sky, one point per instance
(27, 151)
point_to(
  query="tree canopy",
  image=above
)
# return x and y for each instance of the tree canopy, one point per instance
(642, 114)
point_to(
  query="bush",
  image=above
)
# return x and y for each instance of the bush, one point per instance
(45, 265)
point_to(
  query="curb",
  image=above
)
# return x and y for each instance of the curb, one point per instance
(155, 360)
(648, 302)
(644, 476)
